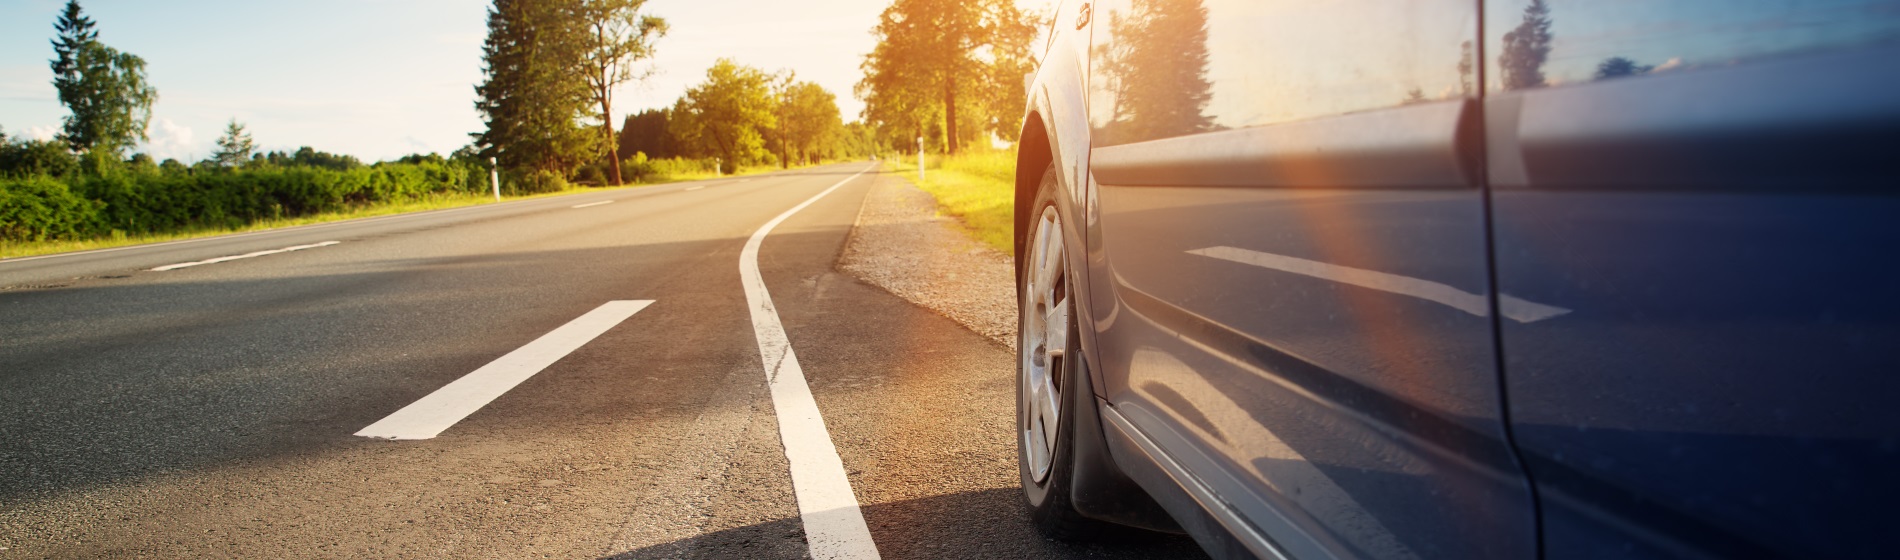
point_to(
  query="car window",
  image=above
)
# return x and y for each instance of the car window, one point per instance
(1164, 68)
(1545, 43)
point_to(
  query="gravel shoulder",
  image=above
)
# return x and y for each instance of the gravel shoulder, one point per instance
(901, 243)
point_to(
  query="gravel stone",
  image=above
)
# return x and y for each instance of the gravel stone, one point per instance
(902, 244)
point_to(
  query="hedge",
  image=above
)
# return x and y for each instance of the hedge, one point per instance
(76, 206)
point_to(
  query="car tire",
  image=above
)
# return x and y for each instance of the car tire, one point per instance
(1052, 380)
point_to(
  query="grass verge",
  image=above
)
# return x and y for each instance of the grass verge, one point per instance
(976, 188)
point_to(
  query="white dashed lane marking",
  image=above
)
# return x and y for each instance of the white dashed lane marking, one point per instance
(428, 417)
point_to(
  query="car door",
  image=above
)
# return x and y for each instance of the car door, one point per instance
(1710, 187)
(1288, 247)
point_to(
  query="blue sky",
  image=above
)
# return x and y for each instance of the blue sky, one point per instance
(382, 78)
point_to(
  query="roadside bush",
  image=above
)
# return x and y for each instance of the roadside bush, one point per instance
(21, 159)
(532, 182)
(149, 199)
(640, 169)
(43, 208)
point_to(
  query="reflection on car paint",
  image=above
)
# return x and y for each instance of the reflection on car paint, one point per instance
(1513, 308)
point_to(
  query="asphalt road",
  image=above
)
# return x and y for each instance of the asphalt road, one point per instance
(210, 411)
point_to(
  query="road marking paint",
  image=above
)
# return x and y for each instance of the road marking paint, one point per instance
(430, 415)
(1512, 307)
(834, 526)
(244, 256)
(695, 188)
(592, 204)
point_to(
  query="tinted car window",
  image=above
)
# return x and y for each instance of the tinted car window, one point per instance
(1542, 43)
(1164, 68)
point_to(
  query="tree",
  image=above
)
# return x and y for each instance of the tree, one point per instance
(954, 63)
(617, 38)
(534, 87)
(105, 89)
(727, 115)
(235, 147)
(1617, 67)
(646, 132)
(1156, 71)
(1527, 48)
(808, 122)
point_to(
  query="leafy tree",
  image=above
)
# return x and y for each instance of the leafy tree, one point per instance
(617, 37)
(27, 158)
(808, 122)
(646, 132)
(1617, 67)
(957, 63)
(535, 88)
(727, 115)
(310, 157)
(1527, 48)
(235, 147)
(106, 90)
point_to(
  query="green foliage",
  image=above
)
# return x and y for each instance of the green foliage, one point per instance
(640, 169)
(234, 147)
(947, 70)
(809, 127)
(727, 116)
(535, 87)
(309, 157)
(532, 182)
(41, 208)
(646, 132)
(106, 90)
(978, 188)
(616, 37)
(27, 158)
(168, 198)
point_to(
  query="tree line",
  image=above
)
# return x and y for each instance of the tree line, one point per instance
(81, 184)
(551, 68)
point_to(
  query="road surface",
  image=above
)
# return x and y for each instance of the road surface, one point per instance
(211, 409)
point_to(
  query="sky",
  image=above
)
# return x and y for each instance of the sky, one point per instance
(379, 79)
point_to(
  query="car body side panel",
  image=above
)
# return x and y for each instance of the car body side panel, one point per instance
(1727, 239)
(1290, 278)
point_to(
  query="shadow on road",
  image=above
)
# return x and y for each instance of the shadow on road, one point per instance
(953, 533)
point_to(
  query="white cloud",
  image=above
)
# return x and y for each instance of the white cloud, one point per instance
(169, 140)
(1671, 64)
(42, 132)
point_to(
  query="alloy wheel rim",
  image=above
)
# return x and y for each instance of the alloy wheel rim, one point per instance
(1044, 343)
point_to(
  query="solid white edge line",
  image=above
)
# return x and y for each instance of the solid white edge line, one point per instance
(243, 256)
(430, 415)
(592, 204)
(834, 526)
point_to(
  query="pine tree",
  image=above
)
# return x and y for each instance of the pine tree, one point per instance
(235, 147)
(535, 89)
(1527, 48)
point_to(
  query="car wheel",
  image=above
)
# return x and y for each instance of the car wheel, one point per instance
(1050, 376)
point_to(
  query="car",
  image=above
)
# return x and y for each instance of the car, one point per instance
(1448, 279)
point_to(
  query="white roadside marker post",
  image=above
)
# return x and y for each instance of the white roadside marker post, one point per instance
(494, 177)
(920, 159)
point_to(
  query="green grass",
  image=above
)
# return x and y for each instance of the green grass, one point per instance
(976, 188)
